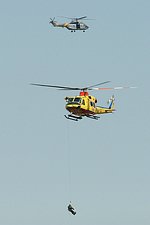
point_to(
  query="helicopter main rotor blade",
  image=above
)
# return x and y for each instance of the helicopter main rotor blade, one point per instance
(81, 18)
(55, 86)
(90, 87)
(70, 18)
(89, 19)
(114, 88)
(74, 18)
(70, 88)
(93, 87)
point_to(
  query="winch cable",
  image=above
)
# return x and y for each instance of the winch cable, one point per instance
(68, 164)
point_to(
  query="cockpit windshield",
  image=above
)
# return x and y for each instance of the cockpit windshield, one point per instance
(70, 100)
(74, 100)
(77, 100)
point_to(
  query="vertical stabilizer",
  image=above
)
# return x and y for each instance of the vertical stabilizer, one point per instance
(111, 102)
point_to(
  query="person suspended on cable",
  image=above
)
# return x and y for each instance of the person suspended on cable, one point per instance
(71, 209)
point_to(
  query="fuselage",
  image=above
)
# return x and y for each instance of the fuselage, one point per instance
(76, 26)
(85, 105)
(73, 26)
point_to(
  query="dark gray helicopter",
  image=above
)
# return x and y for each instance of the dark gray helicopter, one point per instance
(74, 25)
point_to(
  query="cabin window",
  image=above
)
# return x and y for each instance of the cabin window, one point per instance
(92, 104)
(83, 102)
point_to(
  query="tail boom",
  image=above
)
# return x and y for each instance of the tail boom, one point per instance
(110, 109)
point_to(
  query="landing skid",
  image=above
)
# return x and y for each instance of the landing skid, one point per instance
(77, 118)
(93, 117)
(72, 117)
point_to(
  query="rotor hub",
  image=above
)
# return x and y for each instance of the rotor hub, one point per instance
(84, 93)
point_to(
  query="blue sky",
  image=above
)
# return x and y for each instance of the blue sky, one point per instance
(46, 161)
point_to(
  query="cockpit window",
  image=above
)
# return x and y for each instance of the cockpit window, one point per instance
(69, 100)
(73, 100)
(77, 100)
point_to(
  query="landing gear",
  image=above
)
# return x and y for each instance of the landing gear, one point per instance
(93, 117)
(77, 118)
(72, 117)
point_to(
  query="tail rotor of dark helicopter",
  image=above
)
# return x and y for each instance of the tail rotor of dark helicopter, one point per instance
(52, 20)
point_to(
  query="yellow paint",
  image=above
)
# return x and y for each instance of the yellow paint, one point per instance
(86, 106)
(66, 24)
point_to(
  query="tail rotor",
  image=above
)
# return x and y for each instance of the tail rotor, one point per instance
(52, 20)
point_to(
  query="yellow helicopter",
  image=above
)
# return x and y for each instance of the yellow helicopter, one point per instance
(84, 105)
